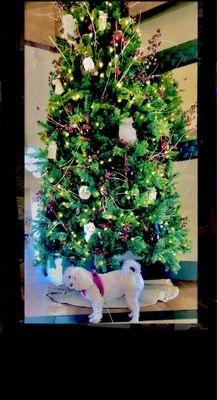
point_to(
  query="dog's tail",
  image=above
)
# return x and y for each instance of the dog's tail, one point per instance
(131, 265)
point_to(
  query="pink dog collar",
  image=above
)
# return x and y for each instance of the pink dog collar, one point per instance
(98, 283)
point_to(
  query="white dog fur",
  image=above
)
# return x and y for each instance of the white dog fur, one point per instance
(126, 282)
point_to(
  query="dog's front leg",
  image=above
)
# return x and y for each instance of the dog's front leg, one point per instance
(96, 316)
(133, 303)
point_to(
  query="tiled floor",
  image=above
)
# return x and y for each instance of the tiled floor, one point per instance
(37, 304)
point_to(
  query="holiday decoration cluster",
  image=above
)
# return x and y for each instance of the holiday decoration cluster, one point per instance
(112, 129)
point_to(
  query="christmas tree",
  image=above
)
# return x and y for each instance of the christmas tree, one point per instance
(111, 134)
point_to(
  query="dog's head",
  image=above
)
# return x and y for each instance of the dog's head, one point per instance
(77, 278)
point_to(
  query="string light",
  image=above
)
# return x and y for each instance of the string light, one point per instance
(119, 84)
(102, 75)
(110, 64)
(69, 70)
(100, 64)
(97, 123)
(111, 49)
(101, 162)
(119, 100)
(51, 180)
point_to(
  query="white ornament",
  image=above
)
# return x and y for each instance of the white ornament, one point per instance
(84, 193)
(58, 86)
(152, 195)
(69, 26)
(89, 229)
(88, 64)
(52, 151)
(102, 20)
(126, 131)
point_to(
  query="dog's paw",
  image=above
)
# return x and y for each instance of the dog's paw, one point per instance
(134, 320)
(131, 314)
(90, 316)
(94, 320)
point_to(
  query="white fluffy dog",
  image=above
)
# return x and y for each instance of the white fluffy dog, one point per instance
(126, 282)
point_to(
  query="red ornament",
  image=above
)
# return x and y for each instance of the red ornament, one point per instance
(106, 254)
(91, 28)
(97, 250)
(67, 227)
(117, 71)
(69, 174)
(163, 145)
(118, 35)
(39, 192)
(73, 128)
(86, 128)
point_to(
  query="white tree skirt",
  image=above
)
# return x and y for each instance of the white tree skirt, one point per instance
(154, 291)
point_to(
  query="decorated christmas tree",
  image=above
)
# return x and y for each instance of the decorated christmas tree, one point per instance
(111, 134)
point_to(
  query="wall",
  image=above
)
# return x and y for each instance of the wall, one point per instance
(178, 24)
(38, 64)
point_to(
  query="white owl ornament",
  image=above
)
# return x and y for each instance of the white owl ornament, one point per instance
(88, 64)
(58, 86)
(126, 131)
(69, 28)
(89, 229)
